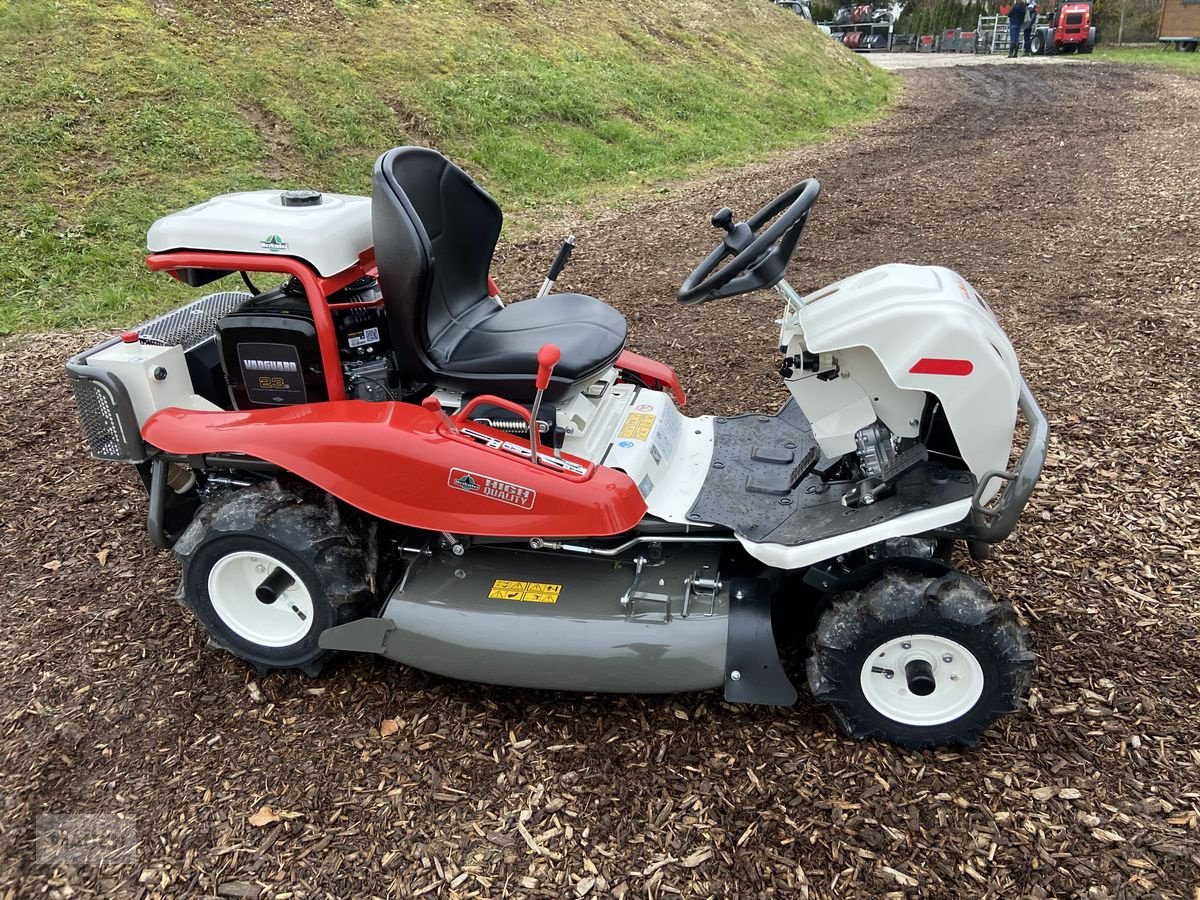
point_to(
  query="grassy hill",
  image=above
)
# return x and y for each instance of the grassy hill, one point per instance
(115, 112)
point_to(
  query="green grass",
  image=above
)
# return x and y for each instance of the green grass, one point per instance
(1168, 56)
(116, 112)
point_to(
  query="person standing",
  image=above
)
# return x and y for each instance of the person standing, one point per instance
(1016, 21)
(1031, 16)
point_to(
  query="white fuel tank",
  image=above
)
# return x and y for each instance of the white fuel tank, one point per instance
(328, 231)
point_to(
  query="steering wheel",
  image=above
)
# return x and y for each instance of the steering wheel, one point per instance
(760, 256)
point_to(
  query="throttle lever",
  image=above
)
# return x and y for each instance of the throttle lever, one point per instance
(556, 267)
(434, 405)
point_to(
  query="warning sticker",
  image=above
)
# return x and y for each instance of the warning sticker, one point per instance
(669, 426)
(638, 426)
(645, 486)
(493, 488)
(525, 591)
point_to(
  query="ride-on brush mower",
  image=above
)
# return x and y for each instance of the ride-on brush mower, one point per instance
(379, 455)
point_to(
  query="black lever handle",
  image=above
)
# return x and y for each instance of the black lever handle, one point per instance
(560, 261)
(723, 218)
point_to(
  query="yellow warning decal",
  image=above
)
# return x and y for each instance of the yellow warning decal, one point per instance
(637, 427)
(525, 591)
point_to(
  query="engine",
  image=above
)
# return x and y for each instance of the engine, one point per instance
(270, 354)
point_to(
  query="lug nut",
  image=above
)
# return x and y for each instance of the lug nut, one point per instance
(947, 658)
(907, 645)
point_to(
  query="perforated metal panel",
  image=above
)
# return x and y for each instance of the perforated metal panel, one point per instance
(104, 427)
(190, 325)
(109, 423)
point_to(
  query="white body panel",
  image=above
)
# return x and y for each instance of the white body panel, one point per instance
(796, 556)
(135, 364)
(329, 236)
(876, 326)
(640, 432)
(666, 453)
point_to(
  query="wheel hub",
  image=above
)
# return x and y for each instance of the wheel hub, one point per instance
(922, 679)
(260, 599)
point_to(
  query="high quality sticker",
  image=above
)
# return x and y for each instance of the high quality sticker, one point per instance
(492, 488)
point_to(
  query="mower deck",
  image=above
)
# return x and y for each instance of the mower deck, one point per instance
(749, 490)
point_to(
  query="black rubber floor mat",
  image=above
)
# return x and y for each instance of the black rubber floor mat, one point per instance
(756, 459)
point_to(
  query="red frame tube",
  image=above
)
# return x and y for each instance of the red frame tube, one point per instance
(318, 289)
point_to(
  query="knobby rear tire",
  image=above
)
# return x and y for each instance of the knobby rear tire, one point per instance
(247, 533)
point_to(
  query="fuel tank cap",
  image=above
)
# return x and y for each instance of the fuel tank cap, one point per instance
(301, 197)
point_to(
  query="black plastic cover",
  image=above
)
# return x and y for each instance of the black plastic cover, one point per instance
(270, 353)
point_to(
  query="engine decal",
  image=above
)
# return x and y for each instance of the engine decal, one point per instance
(272, 374)
(493, 488)
(637, 426)
(930, 366)
(525, 591)
(364, 337)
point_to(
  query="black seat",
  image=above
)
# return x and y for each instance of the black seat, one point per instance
(435, 230)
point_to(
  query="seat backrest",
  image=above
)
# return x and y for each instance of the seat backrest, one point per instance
(435, 231)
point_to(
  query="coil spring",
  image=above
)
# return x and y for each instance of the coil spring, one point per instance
(512, 426)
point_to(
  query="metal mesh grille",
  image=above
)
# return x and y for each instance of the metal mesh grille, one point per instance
(101, 424)
(190, 325)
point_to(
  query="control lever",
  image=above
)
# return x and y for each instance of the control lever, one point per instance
(547, 359)
(738, 235)
(556, 267)
(432, 404)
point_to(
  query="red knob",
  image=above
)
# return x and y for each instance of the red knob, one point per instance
(548, 358)
(129, 337)
(432, 404)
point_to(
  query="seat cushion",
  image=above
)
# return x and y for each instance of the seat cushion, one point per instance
(499, 354)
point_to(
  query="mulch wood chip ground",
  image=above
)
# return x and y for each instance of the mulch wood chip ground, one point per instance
(1068, 196)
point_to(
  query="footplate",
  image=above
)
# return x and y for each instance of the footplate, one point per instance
(764, 484)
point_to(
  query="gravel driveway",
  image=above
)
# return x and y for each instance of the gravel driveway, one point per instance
(896, 61)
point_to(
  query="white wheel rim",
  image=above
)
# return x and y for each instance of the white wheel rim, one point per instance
(957, 675)
(232, 583)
